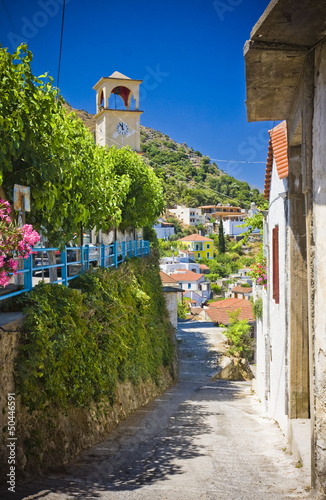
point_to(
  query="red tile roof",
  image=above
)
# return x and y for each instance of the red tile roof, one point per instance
(203, 267)
(195, 237)
(241, 289)
(277, 148)
(220, 315)
(232, 303)
(165, 278)
(187, 276)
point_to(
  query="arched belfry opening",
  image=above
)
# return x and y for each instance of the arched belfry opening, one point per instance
(121, 98)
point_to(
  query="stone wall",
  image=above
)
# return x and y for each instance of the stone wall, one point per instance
(47, 441)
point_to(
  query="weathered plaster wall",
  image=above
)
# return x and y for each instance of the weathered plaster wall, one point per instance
(277, 399)
(319, 234)
(46, 441)
(171, 300)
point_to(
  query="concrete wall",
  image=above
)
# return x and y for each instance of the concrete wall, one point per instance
(319, 238)
(277, 397)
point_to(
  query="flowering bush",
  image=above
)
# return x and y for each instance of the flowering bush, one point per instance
(14, 242)
(259, 273)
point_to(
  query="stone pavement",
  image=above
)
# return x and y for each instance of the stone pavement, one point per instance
(200, 440)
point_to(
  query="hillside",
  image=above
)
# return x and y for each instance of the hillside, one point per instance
(189, 177)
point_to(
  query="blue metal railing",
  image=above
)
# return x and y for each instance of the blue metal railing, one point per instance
(70, 268)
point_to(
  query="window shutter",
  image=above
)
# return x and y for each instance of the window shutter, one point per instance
(276, 274)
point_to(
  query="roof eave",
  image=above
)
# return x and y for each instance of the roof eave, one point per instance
(275, 53)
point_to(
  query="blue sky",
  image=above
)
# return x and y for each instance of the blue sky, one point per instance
(189, 53)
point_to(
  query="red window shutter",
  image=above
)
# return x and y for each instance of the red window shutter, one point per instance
(276, 274)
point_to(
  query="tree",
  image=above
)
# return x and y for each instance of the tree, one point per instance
(238, 334)
(221, 239)
(73, 181)
(144, 200)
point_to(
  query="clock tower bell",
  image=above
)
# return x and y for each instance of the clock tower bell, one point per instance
(117, 111)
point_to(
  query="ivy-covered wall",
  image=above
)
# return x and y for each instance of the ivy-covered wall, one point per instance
(87, 357)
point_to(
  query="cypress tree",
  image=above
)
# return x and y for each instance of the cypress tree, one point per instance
(221, 239)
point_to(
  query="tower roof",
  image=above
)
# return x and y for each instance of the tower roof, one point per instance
(119, 76)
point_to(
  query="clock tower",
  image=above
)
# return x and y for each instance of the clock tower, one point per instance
(117, 111)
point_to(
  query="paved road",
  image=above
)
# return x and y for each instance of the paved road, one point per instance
(200, 440)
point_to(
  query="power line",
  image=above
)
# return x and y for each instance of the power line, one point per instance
(212, 159)
(61, 38)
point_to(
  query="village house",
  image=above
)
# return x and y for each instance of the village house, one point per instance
(285, 62)
(189, 216)
(164, 230)
(241, 292)
(202, 246)
(190, 281)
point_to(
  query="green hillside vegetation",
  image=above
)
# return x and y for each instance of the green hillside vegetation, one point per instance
(190, 178)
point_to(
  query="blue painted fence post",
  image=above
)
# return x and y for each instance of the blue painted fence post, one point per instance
(87, 257)
(82, 258)
(64, 268)
(28, 277)
(130, 249)
(115, 251)
(103, 255)
(123, 251)
(135, 248)
(141, 247)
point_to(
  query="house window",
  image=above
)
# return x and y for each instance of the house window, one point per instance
(189, 285)
(208, 255)
(276, 276)
(198, 256)
(208, 245)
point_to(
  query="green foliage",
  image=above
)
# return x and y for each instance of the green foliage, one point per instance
(79, 343)
(177, 226)
(166, 248)
(257, 307)
(186, 184)
(73, 181)
(150, 235)
(238, 335)
(216, 288)
(144, 201)
(221, 238)
(256, 221)
(183, 310)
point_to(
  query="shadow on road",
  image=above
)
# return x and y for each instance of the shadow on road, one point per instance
(150, 446)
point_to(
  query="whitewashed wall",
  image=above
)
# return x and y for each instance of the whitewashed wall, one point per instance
(276, 334)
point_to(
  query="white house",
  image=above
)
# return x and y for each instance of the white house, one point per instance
(189, 216)
(190, 281)
(272, 337)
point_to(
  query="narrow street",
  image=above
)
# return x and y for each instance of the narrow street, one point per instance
(200, 440)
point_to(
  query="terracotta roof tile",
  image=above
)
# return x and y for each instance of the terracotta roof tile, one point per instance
(241, 289)
(195, 237)
(231, 302)
(165, 278)
(220, 315)
(187, 276)
(277, 148)
(203, 267)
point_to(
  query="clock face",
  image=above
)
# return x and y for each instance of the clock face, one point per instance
(122, 128)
